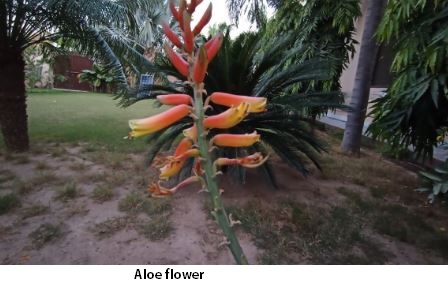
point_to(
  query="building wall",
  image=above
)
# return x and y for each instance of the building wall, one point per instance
(70, 66)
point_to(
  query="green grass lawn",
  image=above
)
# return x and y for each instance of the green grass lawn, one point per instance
(64, 116)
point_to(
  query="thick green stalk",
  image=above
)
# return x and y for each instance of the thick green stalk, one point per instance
(219, 211)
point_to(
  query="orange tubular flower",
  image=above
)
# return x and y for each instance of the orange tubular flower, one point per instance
(204, 20)
(159, 161)
(187, 154)
(227, 119)
(175, 163)
(179, 63)
(184, 145)
(141, 127)
(257, 104)
(197, 167)
(175, 99)
(171, 168)
(191, 133)
(200, 66)
(170, 34)
(186, 182)
(188, 34)
(235, 140)
(157, 190)
(251, 161)
(213, 45)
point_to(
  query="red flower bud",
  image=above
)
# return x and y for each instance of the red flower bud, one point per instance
(213, 45)
(188, 34)
(182, 7)
(193, 5)
(200, 66)
(170, 34)
(175, 13)
(179, 63)
(180, 12)
(204, 20)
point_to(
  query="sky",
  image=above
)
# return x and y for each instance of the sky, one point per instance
(220, 14)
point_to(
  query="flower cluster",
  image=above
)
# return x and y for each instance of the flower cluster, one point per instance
(191, 61)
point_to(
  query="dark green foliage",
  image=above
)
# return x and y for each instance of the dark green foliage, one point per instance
(323, 28)
(255, 10)
(415, 109)
(435, 181)
(98, 77)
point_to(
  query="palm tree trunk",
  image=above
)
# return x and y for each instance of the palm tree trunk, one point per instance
(351, 142)
(13, 116)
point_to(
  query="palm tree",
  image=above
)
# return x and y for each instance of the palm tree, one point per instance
(351, 142)
(254, 9)
(86, 25)
(148, 17)
(246, 66)
(324, 28)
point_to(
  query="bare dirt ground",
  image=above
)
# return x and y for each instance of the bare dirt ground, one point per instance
(75, 204)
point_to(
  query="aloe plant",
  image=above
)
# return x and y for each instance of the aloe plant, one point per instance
(191, 62)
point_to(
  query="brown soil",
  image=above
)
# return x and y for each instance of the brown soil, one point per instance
(41, 178)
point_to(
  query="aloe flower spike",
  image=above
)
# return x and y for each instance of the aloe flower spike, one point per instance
(192, 63)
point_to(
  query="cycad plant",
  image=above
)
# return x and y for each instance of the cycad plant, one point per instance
(191, 61)
(245, 66)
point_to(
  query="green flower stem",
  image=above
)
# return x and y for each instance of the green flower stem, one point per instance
(219, 211)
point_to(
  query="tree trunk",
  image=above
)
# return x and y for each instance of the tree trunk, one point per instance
(351, 142)
(13, 116)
